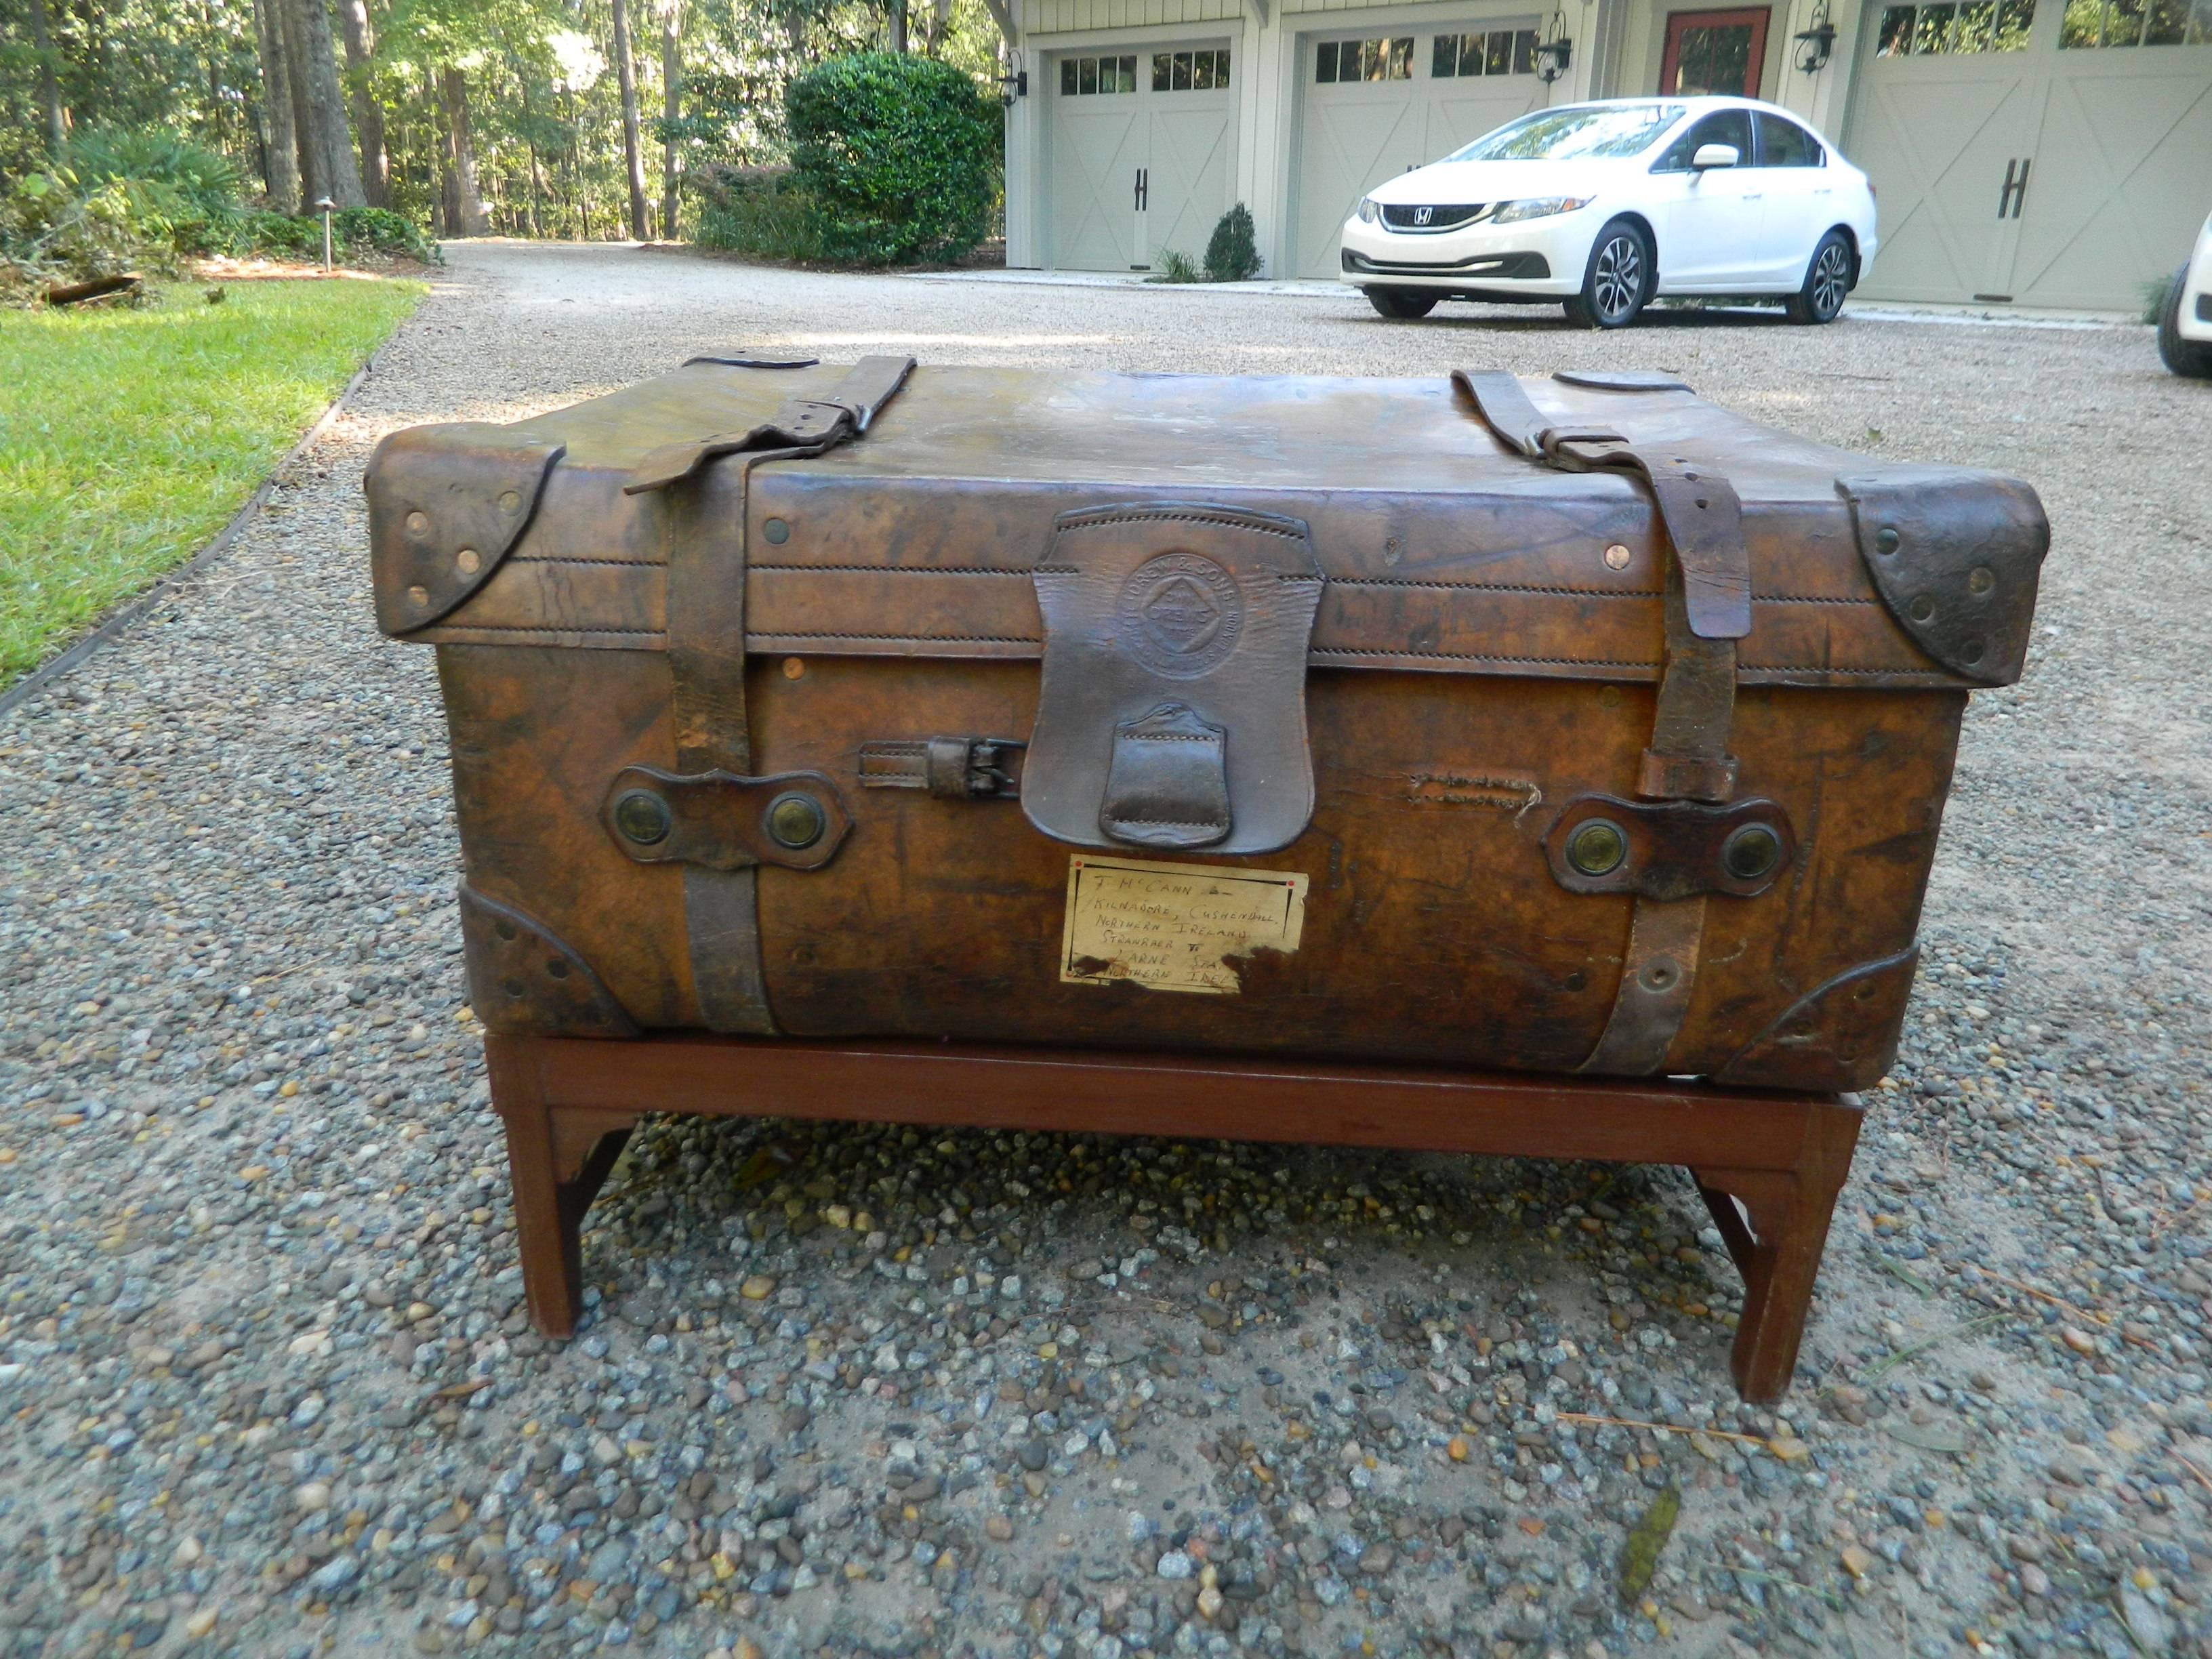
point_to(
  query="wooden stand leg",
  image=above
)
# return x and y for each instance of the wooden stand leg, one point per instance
(556, 1162)
(1776, 1239)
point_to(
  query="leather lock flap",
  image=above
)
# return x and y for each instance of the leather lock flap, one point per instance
(1172, 709)
(1955, 556)
(445, 504)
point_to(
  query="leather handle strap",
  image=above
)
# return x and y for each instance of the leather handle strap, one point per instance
(702, 528)
(806, 425)
(1707, 607)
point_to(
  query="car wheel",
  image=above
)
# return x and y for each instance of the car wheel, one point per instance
(1618, 280)
(2191, 358)
(1827, 280)
(1401, 304)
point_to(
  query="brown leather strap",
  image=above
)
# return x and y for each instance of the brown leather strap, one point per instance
(703, 538)
(1707, 609)
(806, 425)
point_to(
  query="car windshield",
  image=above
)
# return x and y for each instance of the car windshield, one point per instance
(1566, 135)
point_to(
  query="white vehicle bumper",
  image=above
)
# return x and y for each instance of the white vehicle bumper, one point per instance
(1534, 259)
(2194, 322)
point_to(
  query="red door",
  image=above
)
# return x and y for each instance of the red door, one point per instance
(1714, 51)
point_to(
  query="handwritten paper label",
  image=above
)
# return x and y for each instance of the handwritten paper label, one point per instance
(1174, 927)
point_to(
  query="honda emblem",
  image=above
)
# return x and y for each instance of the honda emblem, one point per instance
(1421, 215)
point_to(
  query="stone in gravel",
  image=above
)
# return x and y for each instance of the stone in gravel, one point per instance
(1000, 1528)
(2033, 1580)
(1174, 1564)
(1377, 1559)
(1033, 1455)
(2152, 1629)
(312, 1496)
(1857, 1559)
(757, 1288)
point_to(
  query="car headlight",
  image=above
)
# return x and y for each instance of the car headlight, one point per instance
(1536, 207)
(1370, 210)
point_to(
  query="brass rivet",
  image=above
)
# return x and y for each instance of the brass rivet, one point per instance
(1752, 852)
(643, 818)
(1885, 540)
(1922, 608)
(418, 524)
(777, 531)
(1597, 847)
(1608, 697)
(1981, 579)
(1617, 557)
(418, 596)
(510, 501)
(794, 821)
(469, 560)
(794, 668)
(1658, 975)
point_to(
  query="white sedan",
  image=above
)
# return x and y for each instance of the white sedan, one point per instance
(2185, 327)
(1606, 206)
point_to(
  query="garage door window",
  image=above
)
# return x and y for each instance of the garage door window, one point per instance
(1364, 60)
(1974, 26)
(1080, 77)
(1190, 71)
(2136, 23)
(1499, 51)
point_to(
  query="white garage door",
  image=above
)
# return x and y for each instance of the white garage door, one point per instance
(2041, 154)
(1141, 159)
(1373, 105)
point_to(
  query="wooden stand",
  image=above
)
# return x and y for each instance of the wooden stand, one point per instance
(1768, 1164)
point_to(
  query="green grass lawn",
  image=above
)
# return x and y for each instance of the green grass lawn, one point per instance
(128, 437)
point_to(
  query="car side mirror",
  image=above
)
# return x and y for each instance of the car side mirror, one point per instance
(1715, 155)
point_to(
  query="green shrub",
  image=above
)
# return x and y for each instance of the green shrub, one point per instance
(760, 212)
(1233, 253)
(204, 182)
(53, 230)
(900, 155)
(1175, 267)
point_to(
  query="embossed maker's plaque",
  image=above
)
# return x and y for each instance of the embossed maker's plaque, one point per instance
(1174, 927)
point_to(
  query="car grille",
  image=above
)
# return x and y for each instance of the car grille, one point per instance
(1431, 217)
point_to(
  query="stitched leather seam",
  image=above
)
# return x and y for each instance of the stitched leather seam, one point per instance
(1171, 823)
(894, 639)
(555, 559)
(509, 628)
(1166, 737)
(1182, 518)
(900, 569)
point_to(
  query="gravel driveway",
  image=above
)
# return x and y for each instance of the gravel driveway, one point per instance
(266, 1387)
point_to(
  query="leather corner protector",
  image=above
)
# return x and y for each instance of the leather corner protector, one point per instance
(1841, 1034)
(523, 981)
(445, 503)
(1955, 556)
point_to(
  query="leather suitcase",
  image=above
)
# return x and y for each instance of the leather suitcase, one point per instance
(1558, 725)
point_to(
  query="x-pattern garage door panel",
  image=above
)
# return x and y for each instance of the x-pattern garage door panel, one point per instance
(1933, 137)
(1098, 146)
(1411, 101)
(2011, 166)
(1350, 147)
(1189, 179)
(2123, 144)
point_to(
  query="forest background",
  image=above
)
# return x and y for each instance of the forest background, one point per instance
(559, 118)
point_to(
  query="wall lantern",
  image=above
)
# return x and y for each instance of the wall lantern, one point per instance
(1552, 56)
(1016, 84)
(1815, 45)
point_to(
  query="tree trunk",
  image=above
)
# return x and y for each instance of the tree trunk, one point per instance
(641, 225)
(368, 113)
(940, 25)
(898, 25)
(49, 96)
(672, 107)
(324, 117)
(281, 142)
(465, 207)
(309, 160)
